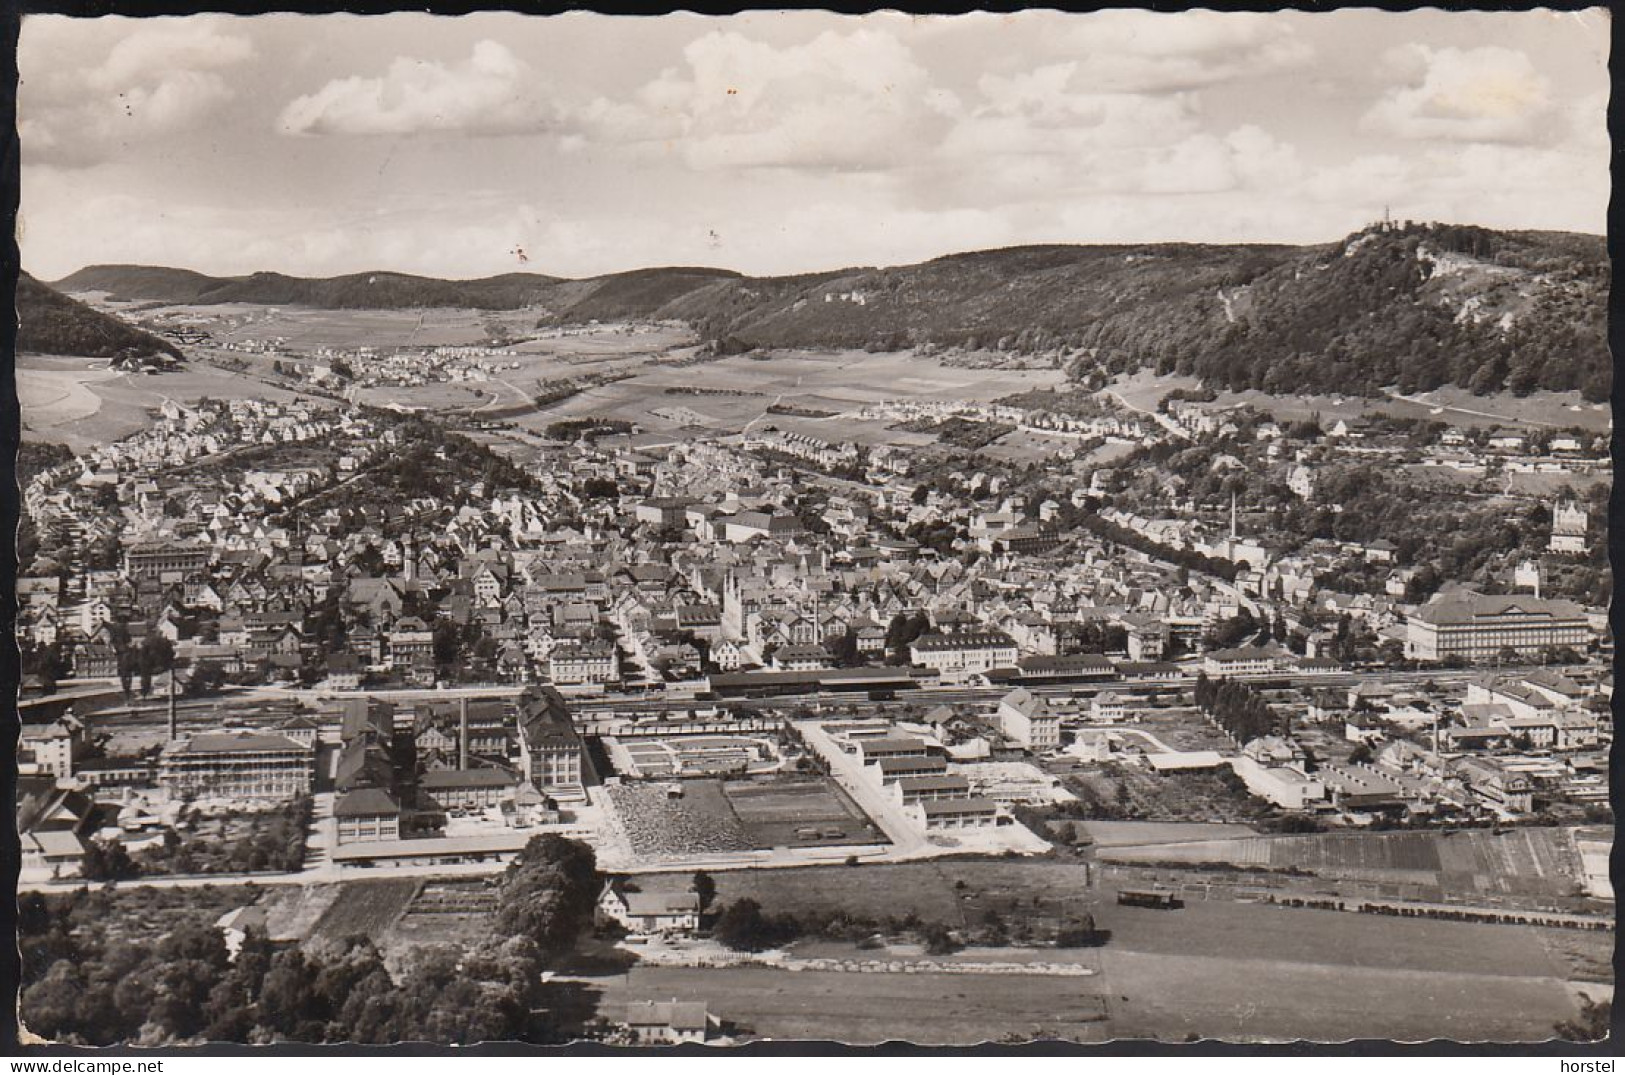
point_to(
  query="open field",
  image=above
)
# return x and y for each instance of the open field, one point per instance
(1455, 407)
(1142, 833)
(956, 1009)
(1221, 970)
(1520, 482)
(81, 403)
(1180, 729)
(1172, 997)
(1528, 862)
(1144, 389)
(1242, 970)
(825, 381)
(370, 908)
(811, 812)
(954, 892)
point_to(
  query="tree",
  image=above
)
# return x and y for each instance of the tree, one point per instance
(939, 940)
(549, 893)
(108, 862)
(744, 928)
(704, 887)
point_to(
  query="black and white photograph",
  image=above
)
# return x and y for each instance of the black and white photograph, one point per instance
(807, 527)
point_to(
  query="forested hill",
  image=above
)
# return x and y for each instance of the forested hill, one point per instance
(631, 294)
(51, 323)
(1416, 307)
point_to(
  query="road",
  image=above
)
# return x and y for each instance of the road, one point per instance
(847, 771)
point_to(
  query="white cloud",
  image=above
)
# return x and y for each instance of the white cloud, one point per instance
(1489, 94)
(853, 101)
(492, 92)
(164, 77)
(1145, 52)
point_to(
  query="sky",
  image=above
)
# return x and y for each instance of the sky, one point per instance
(784, 142)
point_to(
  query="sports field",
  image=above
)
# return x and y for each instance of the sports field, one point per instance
(811, 812)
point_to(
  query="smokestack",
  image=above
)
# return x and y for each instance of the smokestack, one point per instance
(173, 732)
(462, 733)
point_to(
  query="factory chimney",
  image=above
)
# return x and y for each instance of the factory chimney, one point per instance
(173, 731)
(462, 733)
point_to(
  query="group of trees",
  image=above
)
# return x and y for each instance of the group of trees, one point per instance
(1238, 708)
(548, 893)
(273, 842)
(901, 633)
(91, 978)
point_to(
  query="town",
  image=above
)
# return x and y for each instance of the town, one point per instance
(1189, 652)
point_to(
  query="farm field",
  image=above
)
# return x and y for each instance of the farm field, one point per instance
(443, 912)
(81, 403)
(827, 381)
(1456, 407)
(1174, 996)
(369, 908)
(1528, 483)
(1521, 862)
(1232, 969)
(1189, 795)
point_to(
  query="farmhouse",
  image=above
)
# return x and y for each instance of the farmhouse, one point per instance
(672, 1022)
(649, 912)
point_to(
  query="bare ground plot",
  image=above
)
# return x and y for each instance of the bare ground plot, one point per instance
(799, 813)
(368, 908)
(938, 1009)
(1181, 729)
(700, 821)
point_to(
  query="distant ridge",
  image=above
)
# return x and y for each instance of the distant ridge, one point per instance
(620, 294)
(1413, 306)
